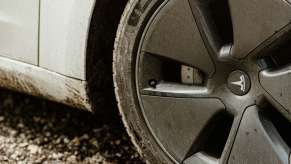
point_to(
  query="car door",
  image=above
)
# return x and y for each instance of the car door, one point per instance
(19, 26)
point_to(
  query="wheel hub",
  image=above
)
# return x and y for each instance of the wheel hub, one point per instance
(239, 83)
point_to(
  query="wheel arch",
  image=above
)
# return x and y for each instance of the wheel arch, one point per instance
(99, 52)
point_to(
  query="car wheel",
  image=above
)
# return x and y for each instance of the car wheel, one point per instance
(206, 82)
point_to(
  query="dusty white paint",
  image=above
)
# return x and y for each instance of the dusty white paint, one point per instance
(19, 30)
(63, 35)
(43, 48)
(37, 81)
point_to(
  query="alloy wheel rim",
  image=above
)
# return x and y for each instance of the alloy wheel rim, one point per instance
(195, 107)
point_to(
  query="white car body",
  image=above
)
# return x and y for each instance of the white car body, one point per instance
(43, 48)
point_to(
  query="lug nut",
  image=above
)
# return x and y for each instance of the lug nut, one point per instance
(153, 83)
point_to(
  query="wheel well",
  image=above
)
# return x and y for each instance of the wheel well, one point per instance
(102, 32)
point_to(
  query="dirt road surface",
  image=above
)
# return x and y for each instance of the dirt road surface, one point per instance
(36, 131)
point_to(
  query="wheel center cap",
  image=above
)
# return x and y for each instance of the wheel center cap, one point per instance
(239, 83)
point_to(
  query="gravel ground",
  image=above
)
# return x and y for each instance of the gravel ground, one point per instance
(37, 131)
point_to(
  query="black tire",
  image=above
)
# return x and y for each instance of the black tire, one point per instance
(133, 20)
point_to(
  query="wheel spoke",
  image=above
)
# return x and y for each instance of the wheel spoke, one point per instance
(177, 90)
(258, 141)
(256, 21)
(277, 84)
(180, 123)
(174, 34)
(201, 158)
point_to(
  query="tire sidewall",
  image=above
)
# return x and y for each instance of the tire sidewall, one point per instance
(133, 22)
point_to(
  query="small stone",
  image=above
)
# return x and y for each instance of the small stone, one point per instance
(36, 119)
(118, 154)
(33, 149)
(95, 143)
(72, 158)
(20, 125)
(40, 160)
(4, 158)
(58, 141)
(22, 136)
(117, 142)
(47, 134)
(13, 133)
(66, 140)
(13, 156)
(2, 118)
(85, 137)
(23, 145)
(76, 141)
(57, 155)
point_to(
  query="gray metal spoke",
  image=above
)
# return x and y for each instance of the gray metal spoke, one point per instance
(174, 34)
(180, 123)
(278, 85)
(256, 21)
(201, 158)
(177, 90)
(258, 141)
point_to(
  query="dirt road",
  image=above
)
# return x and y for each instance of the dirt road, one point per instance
(37, 131)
